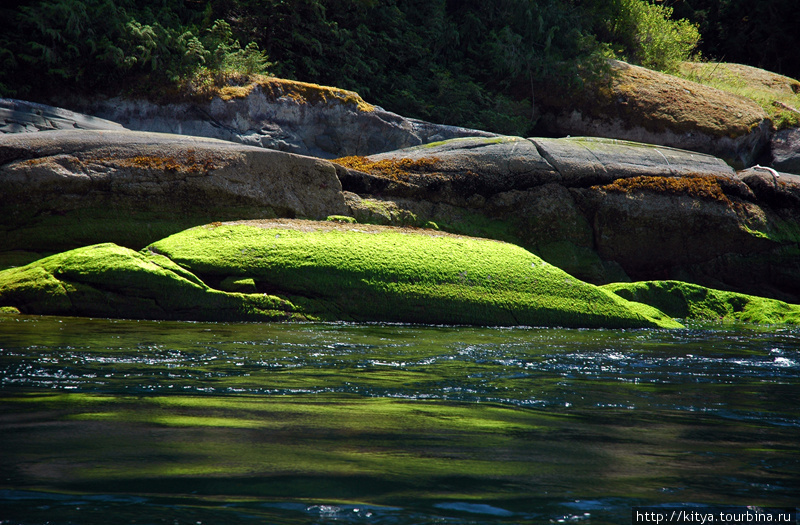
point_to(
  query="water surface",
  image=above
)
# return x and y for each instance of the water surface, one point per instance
(107, 421)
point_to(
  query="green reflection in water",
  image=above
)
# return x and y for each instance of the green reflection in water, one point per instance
(382, 451)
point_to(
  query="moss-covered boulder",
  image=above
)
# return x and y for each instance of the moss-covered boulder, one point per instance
(322, 271)
(692, 302)
(106, 280)
(603, 210)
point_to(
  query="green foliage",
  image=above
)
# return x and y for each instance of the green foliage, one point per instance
(107, 44)
(645, 34)
(761, 34)
(470, 63)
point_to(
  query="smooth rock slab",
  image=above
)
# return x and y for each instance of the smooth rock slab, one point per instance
(18, 116)
(584, 161)
(114, 186)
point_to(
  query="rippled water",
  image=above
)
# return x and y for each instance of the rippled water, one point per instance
(105, 421)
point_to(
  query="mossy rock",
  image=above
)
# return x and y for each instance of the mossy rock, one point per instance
(694, 302)
(106, 280)
(319, 271)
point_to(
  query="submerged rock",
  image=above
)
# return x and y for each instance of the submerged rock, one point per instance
(319, 271)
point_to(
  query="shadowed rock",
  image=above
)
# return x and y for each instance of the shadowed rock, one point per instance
(18, 116)
(62, 189)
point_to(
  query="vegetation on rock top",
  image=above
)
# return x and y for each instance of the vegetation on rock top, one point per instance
(463, 63)
(396, 169)
(778, 95)
(657, 102)
(702, 186)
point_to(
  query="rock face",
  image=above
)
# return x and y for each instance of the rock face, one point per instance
(17, 116)
(284, 115)
(602, 210)
(63, 189)
(646, 106)
(307, 270)
(786, 150)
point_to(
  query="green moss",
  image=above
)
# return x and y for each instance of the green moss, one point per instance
(110, 281)
(777, 230)
(402, 276)
(238, 284)
(473, 140)
(691, 301)
(327, 274)
(375, 211)
(14, 258)
(341, 218)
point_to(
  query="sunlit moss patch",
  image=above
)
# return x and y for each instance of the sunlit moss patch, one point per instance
(691, 301)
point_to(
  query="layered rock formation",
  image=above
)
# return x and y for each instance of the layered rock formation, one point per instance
(602, 210)
(284, 115)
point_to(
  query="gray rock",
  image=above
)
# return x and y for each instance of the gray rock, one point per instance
(311, 120)
(603, 210)
(786, 151)
(17, 116)
(128, 187)
(779, 190)
(583, 161)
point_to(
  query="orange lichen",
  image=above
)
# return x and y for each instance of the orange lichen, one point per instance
(306, 93)
(186, 163)
(706, 187)
(397, 169)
